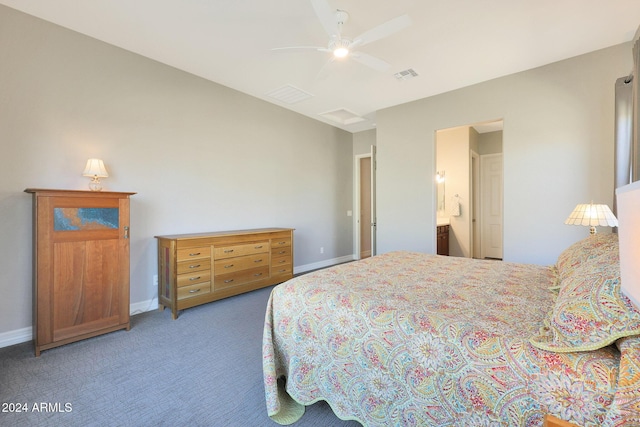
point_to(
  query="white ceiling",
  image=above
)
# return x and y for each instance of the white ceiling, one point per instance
(450, 44)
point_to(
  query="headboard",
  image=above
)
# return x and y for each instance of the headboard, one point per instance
(628, 201)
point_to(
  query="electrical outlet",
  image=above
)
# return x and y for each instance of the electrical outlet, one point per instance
(155, 281)
(321, 250)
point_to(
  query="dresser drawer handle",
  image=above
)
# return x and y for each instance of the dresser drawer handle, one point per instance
(194, 266)
(282, 261)
(228, 266)
(194, 278)
(193, 291)
(258, 247)
(228, 281)
(258, 260)
(283, 270)
(196, 254)
(282, 252)
(257, 275)
(282, 243)
(228, 251)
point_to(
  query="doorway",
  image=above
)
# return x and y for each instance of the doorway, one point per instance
(365, 215)
(365, 207)
(469, 159)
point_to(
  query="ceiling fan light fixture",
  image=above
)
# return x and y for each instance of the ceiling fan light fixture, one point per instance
(340, 48)
(340, 52)
(344, 49)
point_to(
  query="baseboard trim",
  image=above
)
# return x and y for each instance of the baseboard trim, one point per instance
(26, 334)
(322, 264)
(16, 337)
(143, 306)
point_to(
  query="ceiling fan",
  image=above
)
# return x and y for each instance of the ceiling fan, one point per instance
(343, 47)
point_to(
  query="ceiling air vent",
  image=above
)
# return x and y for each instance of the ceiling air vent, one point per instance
(343, 116)
(289, 94)
(406, 74)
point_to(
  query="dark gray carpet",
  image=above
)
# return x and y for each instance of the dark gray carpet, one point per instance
(204, 369)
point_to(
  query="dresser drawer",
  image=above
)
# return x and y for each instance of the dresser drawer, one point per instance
(280, 270)
(186, 267)
(280, 242)
(241, 277)
(194, 290)
(193, 278)
(279, 261)
(240, 250)
(184, 254)
(281, 252)
(230, 265)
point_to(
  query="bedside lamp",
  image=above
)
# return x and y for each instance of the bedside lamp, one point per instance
(96, 170)
(592, 215)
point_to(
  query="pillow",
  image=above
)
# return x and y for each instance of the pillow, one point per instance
(582, 251)
(590, 311)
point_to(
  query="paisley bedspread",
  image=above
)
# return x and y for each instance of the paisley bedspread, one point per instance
(410, 339)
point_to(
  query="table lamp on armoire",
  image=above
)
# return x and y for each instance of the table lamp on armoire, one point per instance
(95, 170)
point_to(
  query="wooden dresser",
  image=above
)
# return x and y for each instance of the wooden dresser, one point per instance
(194, 269)
(80, 265)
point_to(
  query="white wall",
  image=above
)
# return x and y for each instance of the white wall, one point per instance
(557, 146)
(201, 157)
(362, 141)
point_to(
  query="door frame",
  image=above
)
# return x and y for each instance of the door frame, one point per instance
(476, 196)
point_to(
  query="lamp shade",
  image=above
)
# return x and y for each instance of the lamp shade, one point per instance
(95, 168)
(592, 215)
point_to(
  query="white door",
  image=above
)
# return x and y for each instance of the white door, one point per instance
(491, 230)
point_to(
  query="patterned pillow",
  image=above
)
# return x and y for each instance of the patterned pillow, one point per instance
(590, 311)
(578, 253)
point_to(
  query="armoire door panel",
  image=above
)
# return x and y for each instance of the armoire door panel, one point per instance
(85, 285)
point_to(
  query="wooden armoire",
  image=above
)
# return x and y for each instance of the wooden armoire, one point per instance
(80, 265)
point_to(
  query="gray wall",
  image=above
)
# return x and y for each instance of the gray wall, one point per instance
(557, 147)
(490, 142)
(201, 156)
(362, 141)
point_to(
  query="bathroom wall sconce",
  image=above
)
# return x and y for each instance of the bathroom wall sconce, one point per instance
(95, 170)
(440, 176)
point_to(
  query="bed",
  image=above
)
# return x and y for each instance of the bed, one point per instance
(412, 339)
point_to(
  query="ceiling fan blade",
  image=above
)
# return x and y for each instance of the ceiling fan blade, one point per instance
(317, 48)
(370, 61)
(326, 15)
(382, 30)
(324, 71)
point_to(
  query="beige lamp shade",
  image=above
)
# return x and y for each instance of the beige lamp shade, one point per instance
(95, 168)
(591, 215)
